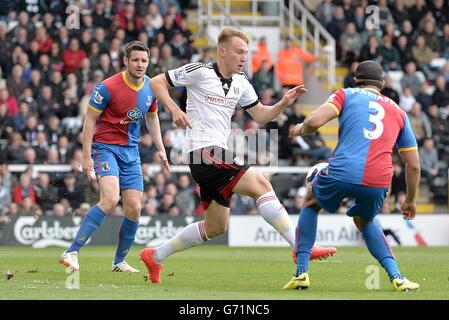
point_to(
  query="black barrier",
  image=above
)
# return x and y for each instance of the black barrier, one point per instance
(59, 231)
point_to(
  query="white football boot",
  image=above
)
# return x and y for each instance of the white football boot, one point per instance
(123, 267)
(70, 260)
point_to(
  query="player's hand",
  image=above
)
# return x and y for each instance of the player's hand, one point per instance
(164, 161)
(180, 120)
(295, 131)
(408, 210)
(87, 165)
(294, 93)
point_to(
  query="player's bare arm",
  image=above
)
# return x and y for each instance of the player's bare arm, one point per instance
(152, 121)
(88, 133)
(412, 177)
(263, 114)
(319, 117)
(160, 87)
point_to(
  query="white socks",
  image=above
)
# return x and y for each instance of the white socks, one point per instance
(275, 214)
(192, 235)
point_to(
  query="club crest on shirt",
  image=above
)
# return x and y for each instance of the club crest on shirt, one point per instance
(105, 166)
(97, 97)
(134, 114)
(148, 102)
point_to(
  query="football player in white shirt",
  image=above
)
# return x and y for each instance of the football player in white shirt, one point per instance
(213, 91)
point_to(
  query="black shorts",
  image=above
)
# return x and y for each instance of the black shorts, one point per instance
(217, 171)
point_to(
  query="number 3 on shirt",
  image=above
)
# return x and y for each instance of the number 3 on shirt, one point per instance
(377, 120)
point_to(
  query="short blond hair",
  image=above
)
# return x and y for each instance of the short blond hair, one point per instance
(229, 33)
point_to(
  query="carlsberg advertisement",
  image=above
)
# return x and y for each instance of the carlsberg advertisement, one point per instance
(60, 231)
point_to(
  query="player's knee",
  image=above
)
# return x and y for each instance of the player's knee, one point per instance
(263, 185)
(109, 203)
(133, 210)
(216, 230)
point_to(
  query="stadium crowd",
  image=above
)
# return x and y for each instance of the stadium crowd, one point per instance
(48, 71)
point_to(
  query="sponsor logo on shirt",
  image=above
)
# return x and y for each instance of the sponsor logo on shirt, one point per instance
(227, 102)
(179, 75)
(134, 114)
(97, 97)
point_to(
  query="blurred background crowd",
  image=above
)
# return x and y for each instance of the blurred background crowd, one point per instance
(48, 71)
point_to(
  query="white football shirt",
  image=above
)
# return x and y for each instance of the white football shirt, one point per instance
(211, 102)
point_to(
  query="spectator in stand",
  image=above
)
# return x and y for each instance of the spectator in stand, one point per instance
(53, 130)
(410, 79)
(9, 101)
(441, 94)
(263, 78)
(186, 199)
(349, 81)
(406, 99)
(43, 40)
(439, 11)
(260, 54)
(72, 56)
(46, 194)
(423, 96)
(388, 90)
(417, 11)
(146, 148)
(5, 188)
(399, 12)
(422, 54)
(420, 123)
(428, 156)
(6, 124)
(444, 42)
(71, 192)
(430, 35)
(289, 64)
(23, 189)
(15, 82)
(324, 12)
(16, 149)
(385, 15)
(181, 48)
(167, 204)
(29, 132)
(350, 43)
(370, 51)
(41, 146)
(390, 55)
(440, 126)
(19, 120)
(408, 31)
(47, 104)
(398, 183)
(337, 25)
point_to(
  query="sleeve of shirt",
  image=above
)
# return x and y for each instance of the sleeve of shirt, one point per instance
(249, 97)
(153, 108)
(184, 75)
(337, 99)
(99, 98)
(406, 140)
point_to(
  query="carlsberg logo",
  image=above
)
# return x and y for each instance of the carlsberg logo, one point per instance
(152, 235)
(43, 233)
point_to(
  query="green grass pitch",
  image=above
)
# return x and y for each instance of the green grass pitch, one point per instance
(219, 273)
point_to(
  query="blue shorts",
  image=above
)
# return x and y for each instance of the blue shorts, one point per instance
(330, 192)
(123, 162)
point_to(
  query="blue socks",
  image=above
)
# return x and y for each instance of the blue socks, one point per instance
(126, 236)
(91, 222)
(378, 247)
(305, 238)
